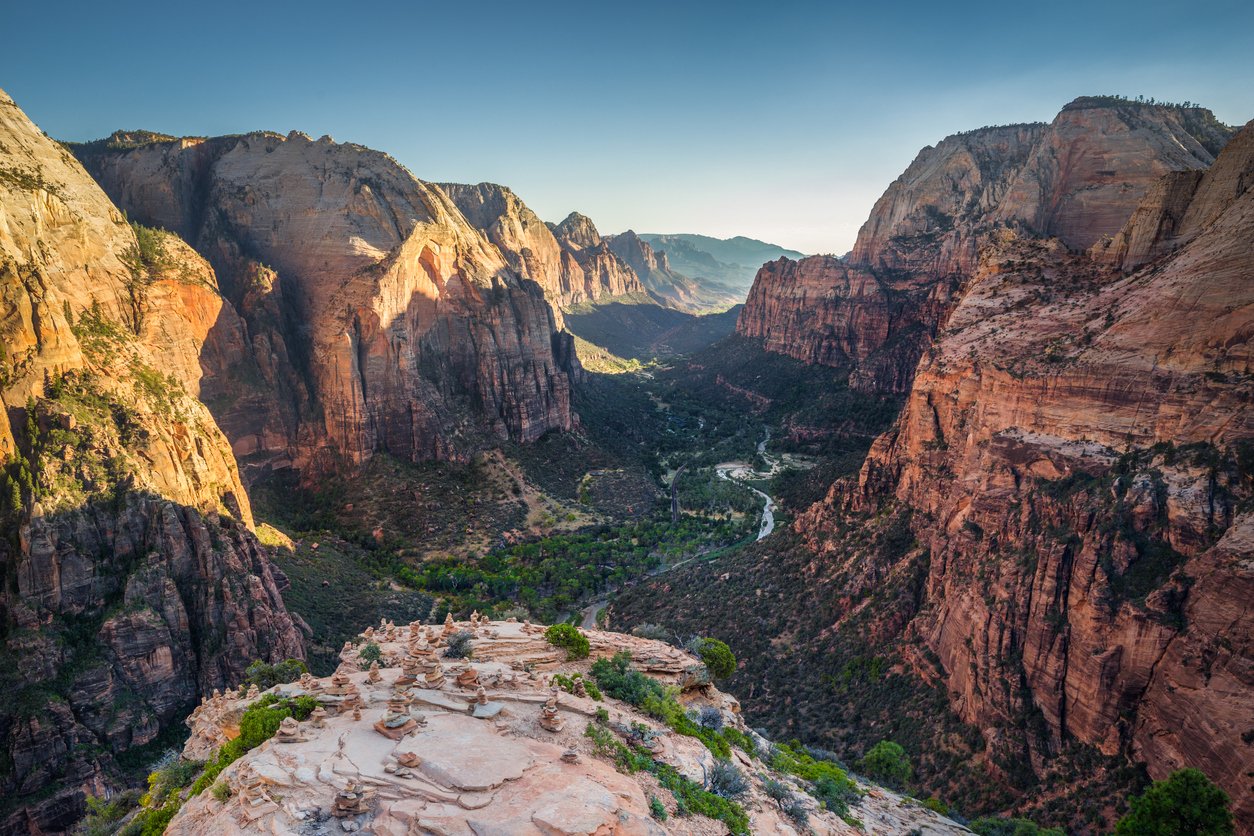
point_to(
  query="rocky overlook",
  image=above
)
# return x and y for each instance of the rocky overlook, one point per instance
(133, 580)
(515, 739)
(1078, 179)
(372, 314)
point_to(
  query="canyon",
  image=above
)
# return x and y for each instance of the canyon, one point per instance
(1013, 532)
(1068, 310)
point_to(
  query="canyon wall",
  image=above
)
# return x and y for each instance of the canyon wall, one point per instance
(572, 269)
(1077, 178)
(1075, 449)
(372, 315)
(133, 582)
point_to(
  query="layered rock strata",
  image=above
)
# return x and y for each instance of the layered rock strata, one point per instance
(133, 581)
(374, 316)
(1075, 449)
(1076, 179)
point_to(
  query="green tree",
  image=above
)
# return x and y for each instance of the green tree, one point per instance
(718, 658)
(887, 762)
(569, 637)
(1187, 803)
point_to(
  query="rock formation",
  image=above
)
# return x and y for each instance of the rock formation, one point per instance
(1077, 179)
(1073, 459)
(463, 772)
(134, 583)
(372, 314)
(571, 271)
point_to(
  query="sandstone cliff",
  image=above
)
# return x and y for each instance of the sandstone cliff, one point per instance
(1075, 449)
(374, 316)
(132, 580)
(571, 271)
(475, 749)
(1077, 179)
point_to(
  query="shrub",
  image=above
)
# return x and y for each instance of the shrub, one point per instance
(936, 806)
(656, 808)
(266, 676)
(887, 763)
(1186, 803)
(717, 657)
(710, 718)
(796, 810)
(651, 631)
(996, 826)
(568, 636)
(835, 795)
(370, 653)
(740, 740)
(221, 791)
(776, 791)
(459, 645)
(726, 781)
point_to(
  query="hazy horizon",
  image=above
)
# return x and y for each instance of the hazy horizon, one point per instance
(782, 124)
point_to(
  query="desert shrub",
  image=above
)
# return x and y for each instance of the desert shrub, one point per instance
(777, 791)
(221, 791)
(656, 808)
(727, 781)
(567, 684)
(835, 795)
(740, 740)
(266, 676)
(103, 815)
(717, 657)
(796, 810)
(710, 718)
(651, 631)
(568, 636)
(370, 653)
(1187, 803)
(459, 645)
(887, 763)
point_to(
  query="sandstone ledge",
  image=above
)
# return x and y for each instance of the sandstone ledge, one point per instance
(506, 774)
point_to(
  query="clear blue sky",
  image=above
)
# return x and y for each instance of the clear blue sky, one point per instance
(778, 120)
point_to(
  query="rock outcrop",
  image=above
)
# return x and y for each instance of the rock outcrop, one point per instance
(373, 315)
(499, 749)
(571, 271)
(133, 581)
(1075, 451)
(1076, 179)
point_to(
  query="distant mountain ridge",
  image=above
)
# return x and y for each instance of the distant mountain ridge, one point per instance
(731, 261)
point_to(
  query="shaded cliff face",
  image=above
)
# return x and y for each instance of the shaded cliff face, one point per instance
(373, 315)
(1077, 179)
(570, 272)
(133, 583)
(821, 310)
(1076, 451)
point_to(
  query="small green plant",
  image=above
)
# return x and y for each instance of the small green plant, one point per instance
(221, 791)
(459, 645)
(266, 676)
(717, 657)
(657, 809)
(887, 763)
(370, 654)
(568, 637)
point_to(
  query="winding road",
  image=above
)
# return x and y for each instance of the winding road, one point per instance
(737, 472)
